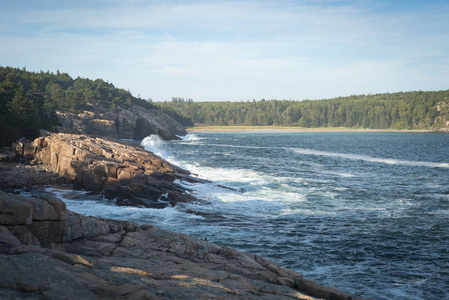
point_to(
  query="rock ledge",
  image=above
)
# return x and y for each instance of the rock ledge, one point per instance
(48, 252)
(119, 170)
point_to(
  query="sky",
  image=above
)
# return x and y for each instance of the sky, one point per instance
(234, 50)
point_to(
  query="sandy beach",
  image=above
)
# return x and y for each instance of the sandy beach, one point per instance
(289, 129)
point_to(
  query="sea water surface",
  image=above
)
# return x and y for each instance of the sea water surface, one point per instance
(362, 212)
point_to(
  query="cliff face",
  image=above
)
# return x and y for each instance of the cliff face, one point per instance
(134, 123)
(48, 252)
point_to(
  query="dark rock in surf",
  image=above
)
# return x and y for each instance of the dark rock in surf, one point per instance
(140, 202)
(175, 198)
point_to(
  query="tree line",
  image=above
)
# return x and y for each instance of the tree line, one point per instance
(403, 110)
(28, 100)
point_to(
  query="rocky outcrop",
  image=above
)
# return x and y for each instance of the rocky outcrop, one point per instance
(17, 173)
(441, 125)
(134, 123)
(47, 252)
(120, 170)
(441, 122)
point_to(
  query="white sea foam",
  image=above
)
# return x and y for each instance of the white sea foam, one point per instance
(191, 137)
(239, 146)
(304, 212)
(153, 143)
(371, 159)
(340, 188)
(79, 202)
(341, 174)
(255, 183)
(227, 175)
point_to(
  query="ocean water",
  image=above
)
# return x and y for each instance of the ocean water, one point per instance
(362, 212)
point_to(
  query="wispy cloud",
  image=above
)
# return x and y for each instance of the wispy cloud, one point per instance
(234, 50)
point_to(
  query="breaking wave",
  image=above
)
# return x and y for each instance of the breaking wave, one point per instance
(153, 143)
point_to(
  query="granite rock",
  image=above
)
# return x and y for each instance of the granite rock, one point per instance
(120, 170)
(113, 259)
(33, 221)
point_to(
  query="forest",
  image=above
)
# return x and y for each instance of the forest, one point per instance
(28, 100)
(403, 110)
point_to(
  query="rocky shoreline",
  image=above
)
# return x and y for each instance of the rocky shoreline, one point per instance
(118, 169)
(49, 252)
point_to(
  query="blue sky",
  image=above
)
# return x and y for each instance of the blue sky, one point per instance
(234, 50)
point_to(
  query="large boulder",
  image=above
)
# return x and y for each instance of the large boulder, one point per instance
(120, 170)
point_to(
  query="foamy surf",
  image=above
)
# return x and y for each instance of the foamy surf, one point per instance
(309, 206)
(91, 205)
(153, 143)
(387, 161)
(190, 137)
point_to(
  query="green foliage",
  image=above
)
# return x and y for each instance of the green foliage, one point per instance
(28, 100)
(410, 110)
(184, 121)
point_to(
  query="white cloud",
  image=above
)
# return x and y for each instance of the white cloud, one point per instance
(234, 50)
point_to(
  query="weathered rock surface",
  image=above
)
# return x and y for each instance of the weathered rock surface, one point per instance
(89, 258)
(134, 123)
(18, 175)
(118, 169)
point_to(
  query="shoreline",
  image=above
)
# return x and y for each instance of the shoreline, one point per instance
(210, 129)
(103, 258)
